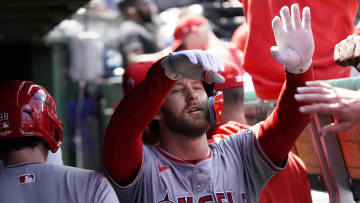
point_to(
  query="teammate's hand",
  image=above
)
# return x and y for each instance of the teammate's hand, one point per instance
(193, 64)
(347, 52)
(341, 103)
(294, 40)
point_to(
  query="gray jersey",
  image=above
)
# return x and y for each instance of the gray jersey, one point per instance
(235, 170)
(44, 182)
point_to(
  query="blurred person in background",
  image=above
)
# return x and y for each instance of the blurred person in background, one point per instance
(82, 119)
(137, 34)
(193, 31)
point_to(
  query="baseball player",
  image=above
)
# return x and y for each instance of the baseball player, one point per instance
(183, 167)
(29, 128)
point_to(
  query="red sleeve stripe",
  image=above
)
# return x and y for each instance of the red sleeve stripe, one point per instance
(263, 155)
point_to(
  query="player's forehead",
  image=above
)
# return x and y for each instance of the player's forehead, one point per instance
(187, 82)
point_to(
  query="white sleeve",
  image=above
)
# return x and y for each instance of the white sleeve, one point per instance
(104, 191)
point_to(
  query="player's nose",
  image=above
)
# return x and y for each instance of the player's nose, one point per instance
(191, 94)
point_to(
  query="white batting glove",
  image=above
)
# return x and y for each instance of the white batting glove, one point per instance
(294, 39)
(347, 52)
(195, 65)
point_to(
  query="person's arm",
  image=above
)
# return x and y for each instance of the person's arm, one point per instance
(341, 103)
(294, 50)
(281, 129)
(134, 50)
(122, 150)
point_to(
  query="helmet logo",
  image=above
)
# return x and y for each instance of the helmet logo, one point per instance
(41, 98)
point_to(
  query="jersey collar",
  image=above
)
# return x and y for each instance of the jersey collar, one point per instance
(173, 158)
(23, 164)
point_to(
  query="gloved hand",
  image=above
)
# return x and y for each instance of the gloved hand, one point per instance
(195, 65)
(347, 52)
(294, 39)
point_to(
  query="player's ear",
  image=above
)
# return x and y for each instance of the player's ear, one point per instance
(158, 116)
(131, 10)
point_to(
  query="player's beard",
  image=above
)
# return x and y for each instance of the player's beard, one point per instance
(190, 127)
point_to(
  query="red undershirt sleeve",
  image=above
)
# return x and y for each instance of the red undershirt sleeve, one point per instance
(281, 129)
(122, 150)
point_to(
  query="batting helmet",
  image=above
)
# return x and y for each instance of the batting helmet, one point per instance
(27, 109)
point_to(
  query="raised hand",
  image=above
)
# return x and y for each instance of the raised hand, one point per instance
(195, 65)
(294, 40)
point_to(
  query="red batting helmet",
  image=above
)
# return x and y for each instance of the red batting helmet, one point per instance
(27, 109)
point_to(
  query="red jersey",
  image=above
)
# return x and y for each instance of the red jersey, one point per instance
(331, 22)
